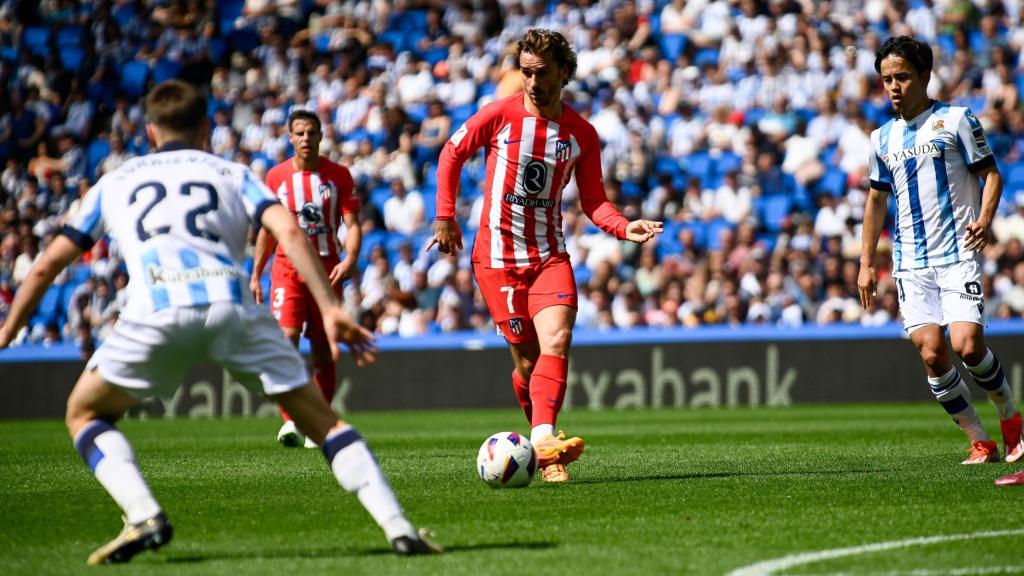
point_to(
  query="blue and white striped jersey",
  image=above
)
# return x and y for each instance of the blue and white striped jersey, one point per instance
(931, 163)
(181, 219)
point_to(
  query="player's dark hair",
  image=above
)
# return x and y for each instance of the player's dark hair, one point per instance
(917, 53)
(303, 114)
(176, 106)
(538, 41)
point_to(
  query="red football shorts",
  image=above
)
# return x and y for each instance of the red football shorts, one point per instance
(515, 295)
(292, 304)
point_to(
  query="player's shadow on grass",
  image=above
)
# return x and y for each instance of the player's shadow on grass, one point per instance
(293, 553)
(711, 475)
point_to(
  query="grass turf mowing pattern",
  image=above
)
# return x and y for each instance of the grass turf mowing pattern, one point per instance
(662, 491)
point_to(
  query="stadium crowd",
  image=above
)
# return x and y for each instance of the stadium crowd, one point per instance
(743, 124)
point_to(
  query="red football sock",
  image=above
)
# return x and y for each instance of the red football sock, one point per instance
(284, 415)
(522, 389)
(547, 388)
(326, 379)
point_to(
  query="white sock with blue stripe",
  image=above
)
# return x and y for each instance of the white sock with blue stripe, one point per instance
(989, 375)
(951, 392)
(357, 471)
(109, 455)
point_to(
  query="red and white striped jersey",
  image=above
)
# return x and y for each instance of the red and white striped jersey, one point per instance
(318, 199)
(529, 162)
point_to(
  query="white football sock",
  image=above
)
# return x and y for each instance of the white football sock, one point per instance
(541, 431)
(110, 457)
(989, 375)
(357, 471)
(951, 392)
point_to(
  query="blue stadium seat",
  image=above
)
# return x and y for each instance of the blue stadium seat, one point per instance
(95, 153)
(71, 58)
(124, 12)
(1015, 177)
(713, 233)
(37, 39)
(227, 12)
(773, 210)
(698, 165)
(9, 53)
(435, 55)
(654, 22)
(322, 43)
(134, 76)
(429, 203)
(380, 195)
(728, 162)
(66, 292)
(706, 57)
(833, 183)
(947, 43)
(459, 114)
(417, 112)
(165, 69)
(371, 239)
(414, 20)
(70, 36)
(672, 45)
(631, 190)
(393, 37)
(667, 164)
(217, 48)
(48, 309)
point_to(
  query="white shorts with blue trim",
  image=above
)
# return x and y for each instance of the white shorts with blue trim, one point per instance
(151, 356)
(941, 294)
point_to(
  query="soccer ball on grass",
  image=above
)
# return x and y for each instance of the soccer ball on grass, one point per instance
(506, 459)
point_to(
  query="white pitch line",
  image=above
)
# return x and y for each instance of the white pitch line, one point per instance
(769, 567)
(969, 571)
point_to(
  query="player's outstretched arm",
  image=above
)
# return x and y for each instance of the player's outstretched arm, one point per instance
(641, 231)
(979, 232)
(874, 219)
(261, 253)
(61, 252)
(353, 243)
(337, 324)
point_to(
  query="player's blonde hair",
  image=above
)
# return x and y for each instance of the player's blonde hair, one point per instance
(176, 106)
(538, 41)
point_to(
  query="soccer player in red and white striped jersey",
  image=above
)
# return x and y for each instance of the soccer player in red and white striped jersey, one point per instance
(321, 195)
(534, 144)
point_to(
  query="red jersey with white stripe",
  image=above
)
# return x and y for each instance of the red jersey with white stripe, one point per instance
(318, 199)
(529, 162)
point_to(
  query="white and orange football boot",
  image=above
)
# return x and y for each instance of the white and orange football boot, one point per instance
(554, 453)
(982, 452)
(1013, 443)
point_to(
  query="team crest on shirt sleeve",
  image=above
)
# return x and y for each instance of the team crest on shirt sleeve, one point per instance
(938, 125)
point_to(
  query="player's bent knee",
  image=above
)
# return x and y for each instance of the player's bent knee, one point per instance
(557, 342)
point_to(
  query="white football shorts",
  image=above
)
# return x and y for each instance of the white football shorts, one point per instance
(941, 294)
(152, 355)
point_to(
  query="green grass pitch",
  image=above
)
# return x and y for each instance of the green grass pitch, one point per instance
(657, 492)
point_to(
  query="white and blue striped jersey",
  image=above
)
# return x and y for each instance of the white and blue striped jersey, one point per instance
(181, 219)
(931, 162)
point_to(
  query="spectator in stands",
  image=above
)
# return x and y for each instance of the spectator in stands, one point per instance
(404, 210)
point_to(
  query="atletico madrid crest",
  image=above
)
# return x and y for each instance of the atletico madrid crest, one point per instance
(325, 190)
(515, 325)
(563, 149)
